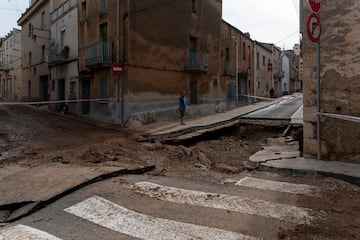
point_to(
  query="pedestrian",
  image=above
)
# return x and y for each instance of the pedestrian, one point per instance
(182, 107)
(272, 93)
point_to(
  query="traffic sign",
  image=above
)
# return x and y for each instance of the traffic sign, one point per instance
(117, 69)
(313, 28)
(8, 77)
(315, 5)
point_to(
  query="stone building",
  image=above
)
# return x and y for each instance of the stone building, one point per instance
(339, 81)
(165, 48)
(237, 62)
(262, 76)
(35, 23)
(10, 65)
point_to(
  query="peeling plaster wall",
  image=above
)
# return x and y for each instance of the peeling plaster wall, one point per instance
(340, 80)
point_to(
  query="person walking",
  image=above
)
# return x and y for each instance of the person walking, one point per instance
(272, 93)
(182, 107)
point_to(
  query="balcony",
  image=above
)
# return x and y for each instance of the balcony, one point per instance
(278, 74)
(4, 66)
(197, 62)
(98, 55)
(228, 69)
(56, 57)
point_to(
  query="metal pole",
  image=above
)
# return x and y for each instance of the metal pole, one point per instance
(318, 99)
(118, 45)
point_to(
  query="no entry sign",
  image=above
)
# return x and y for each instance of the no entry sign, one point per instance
(315, 5)
(117, 69)
(313, 28)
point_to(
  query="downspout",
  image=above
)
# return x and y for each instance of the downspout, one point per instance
(255, 70)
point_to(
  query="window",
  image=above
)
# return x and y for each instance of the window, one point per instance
(257, 60)
(193, 6)
(103, 6)
(72, 90)
(62, 38)
(244, 51)
(29, 58)
(227, 57)
(29, 30)
(263, 60)
(215, 81)
(249, 52)
(83, 12)
(43, 52)
(192, 50)
(43, 19)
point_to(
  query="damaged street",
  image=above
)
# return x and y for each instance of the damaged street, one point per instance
(63, 177)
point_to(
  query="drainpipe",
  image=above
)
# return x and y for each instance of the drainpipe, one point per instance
(255, 70)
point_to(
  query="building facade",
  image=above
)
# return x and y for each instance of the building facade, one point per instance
(339, 82)
(63, 55)
(10, 65)
(263, 80)
(177, 51)
(285, 81)
(35, 23)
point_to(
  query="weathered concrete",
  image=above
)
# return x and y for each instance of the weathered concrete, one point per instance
(339, 77)
(30, 189)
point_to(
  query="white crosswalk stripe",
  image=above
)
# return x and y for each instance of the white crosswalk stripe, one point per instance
(22, 232)
(119, 219)
(239, 204)
(277, 186)
(115, 217)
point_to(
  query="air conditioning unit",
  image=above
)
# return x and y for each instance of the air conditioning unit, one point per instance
(204, 67)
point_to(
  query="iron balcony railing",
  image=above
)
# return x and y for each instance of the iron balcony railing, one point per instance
(197, 62)
(98, 54)
(57, 57)
(4, 66)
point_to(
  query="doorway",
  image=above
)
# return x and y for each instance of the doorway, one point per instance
(193, 92)
(85, 94)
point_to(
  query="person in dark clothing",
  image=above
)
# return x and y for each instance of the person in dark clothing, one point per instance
(182, 107)
(272, 93)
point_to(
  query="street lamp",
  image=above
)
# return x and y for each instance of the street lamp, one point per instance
(236, 70)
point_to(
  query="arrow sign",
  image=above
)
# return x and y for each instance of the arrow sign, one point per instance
(313, 28)
(315, 5)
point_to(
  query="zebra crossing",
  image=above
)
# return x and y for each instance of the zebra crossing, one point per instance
(115, 217)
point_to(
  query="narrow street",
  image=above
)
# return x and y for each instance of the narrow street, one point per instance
(199, 189)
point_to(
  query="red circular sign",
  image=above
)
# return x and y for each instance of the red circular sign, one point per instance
(117, 69)
(313, 28)
(315, 5)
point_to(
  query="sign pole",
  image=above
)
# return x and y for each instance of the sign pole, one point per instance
(318, 99)
(314, 32)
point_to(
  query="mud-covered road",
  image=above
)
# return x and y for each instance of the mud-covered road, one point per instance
(31, 137)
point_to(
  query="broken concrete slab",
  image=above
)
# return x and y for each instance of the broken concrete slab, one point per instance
(30, 189)
(342, 170)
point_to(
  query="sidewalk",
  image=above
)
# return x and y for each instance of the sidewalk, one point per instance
(201, 125)
(283, 155)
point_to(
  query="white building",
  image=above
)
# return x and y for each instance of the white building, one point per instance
(285, 81)
(63, 52)
(10, 65)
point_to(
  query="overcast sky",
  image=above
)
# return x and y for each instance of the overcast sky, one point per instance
(271, 21)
